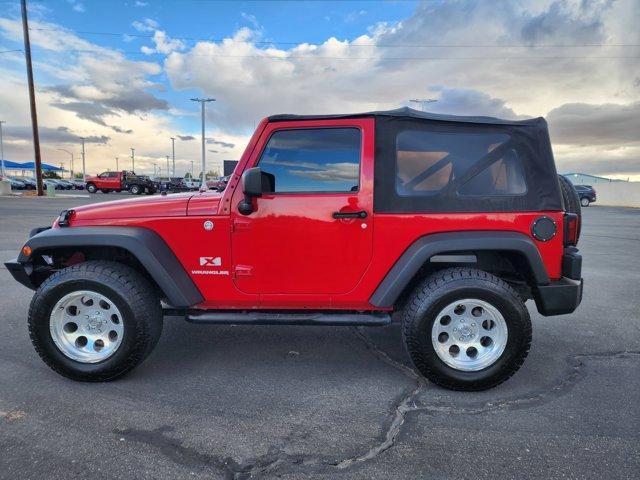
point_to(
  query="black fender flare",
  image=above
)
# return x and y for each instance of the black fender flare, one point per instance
(421, 250)
(145, 245)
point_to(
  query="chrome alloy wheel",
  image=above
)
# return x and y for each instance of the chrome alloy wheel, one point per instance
(469, 334)
(86, 326)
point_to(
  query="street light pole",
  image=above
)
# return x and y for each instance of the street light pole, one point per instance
(173, 154)
(84, 170)
(1, 150)
(70, 153)
(191, 169)
(117, 168)
(133, 159)
(423, 101)
(202, 102)
(168, 166)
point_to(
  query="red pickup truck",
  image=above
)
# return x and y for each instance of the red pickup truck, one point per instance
(118, 181)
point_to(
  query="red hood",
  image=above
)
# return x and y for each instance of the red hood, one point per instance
(153, 206)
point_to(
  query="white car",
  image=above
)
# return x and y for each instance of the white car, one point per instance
(191, 184)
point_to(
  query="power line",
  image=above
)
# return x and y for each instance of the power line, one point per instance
(11, 51)
(380, 59)
(383, 45)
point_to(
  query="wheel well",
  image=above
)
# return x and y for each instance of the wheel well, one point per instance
(511, 266)
(47, 261)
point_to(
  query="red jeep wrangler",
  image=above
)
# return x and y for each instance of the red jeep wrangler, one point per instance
(108, 182)
(448, 224)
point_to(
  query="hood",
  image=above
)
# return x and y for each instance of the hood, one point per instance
(174, 205)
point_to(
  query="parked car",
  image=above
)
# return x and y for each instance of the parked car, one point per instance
(78, 184)
(170, 184)
(29, 183)
(191, 183)
(118, 181)
(448, 224)
(67, 185)
(16, 183)
(219, 184)
(53, 183)
(587, 194)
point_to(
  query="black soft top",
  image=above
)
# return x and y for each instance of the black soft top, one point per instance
(407, 112)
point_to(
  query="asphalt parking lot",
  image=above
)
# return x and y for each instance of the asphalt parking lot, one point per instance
(332, 402)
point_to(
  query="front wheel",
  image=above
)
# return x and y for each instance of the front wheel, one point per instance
(466, 329)
(584, 202)
(95, 321)
(91, 188)
(134, 189)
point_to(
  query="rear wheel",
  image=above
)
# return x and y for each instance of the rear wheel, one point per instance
(95, 321)
(91, 188)
(135, 189)
(466, 329)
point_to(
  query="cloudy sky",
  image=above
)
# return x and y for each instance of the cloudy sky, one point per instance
(121, 73)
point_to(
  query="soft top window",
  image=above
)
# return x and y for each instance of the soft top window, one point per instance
(428, 162)
(427, 165)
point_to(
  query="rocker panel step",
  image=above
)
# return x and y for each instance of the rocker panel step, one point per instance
(284, 318)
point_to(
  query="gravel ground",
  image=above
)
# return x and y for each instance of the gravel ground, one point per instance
(332, 402)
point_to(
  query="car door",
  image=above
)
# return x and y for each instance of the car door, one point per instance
(311, 233)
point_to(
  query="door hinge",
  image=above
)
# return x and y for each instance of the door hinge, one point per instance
(242, 271)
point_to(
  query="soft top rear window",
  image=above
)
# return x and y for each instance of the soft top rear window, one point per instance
(427, 166)
(427, 162)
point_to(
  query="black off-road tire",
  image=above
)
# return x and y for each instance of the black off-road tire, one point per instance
(91, 188)
(135, 189)
(132, 294)
(444, 287)
(584, 202)
(571, 199)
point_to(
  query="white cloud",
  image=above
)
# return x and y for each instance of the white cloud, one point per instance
(146, 25)
(163, 44)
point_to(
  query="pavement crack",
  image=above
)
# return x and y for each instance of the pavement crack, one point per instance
(406, 404)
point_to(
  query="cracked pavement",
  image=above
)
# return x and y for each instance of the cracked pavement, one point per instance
(333, 402)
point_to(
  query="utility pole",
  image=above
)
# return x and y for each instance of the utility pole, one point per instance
(173, 154)
(84, 170)
(191, 169)
(133, 159)
(32, 97)
(70, 153)
(168, 166)
(204, 166)
(423, 101)
(117, 168)
(1, 150)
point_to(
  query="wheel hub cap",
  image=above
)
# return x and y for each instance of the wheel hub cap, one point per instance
(86, 326)
(469, 334)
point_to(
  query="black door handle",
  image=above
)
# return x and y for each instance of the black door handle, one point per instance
(360, 214)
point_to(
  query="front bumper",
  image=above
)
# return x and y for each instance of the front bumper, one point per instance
(20, 273)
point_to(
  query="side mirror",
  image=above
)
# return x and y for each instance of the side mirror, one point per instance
(251, 187)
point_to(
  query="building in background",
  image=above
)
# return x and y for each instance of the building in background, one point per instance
(586, 179)
(228, 167)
